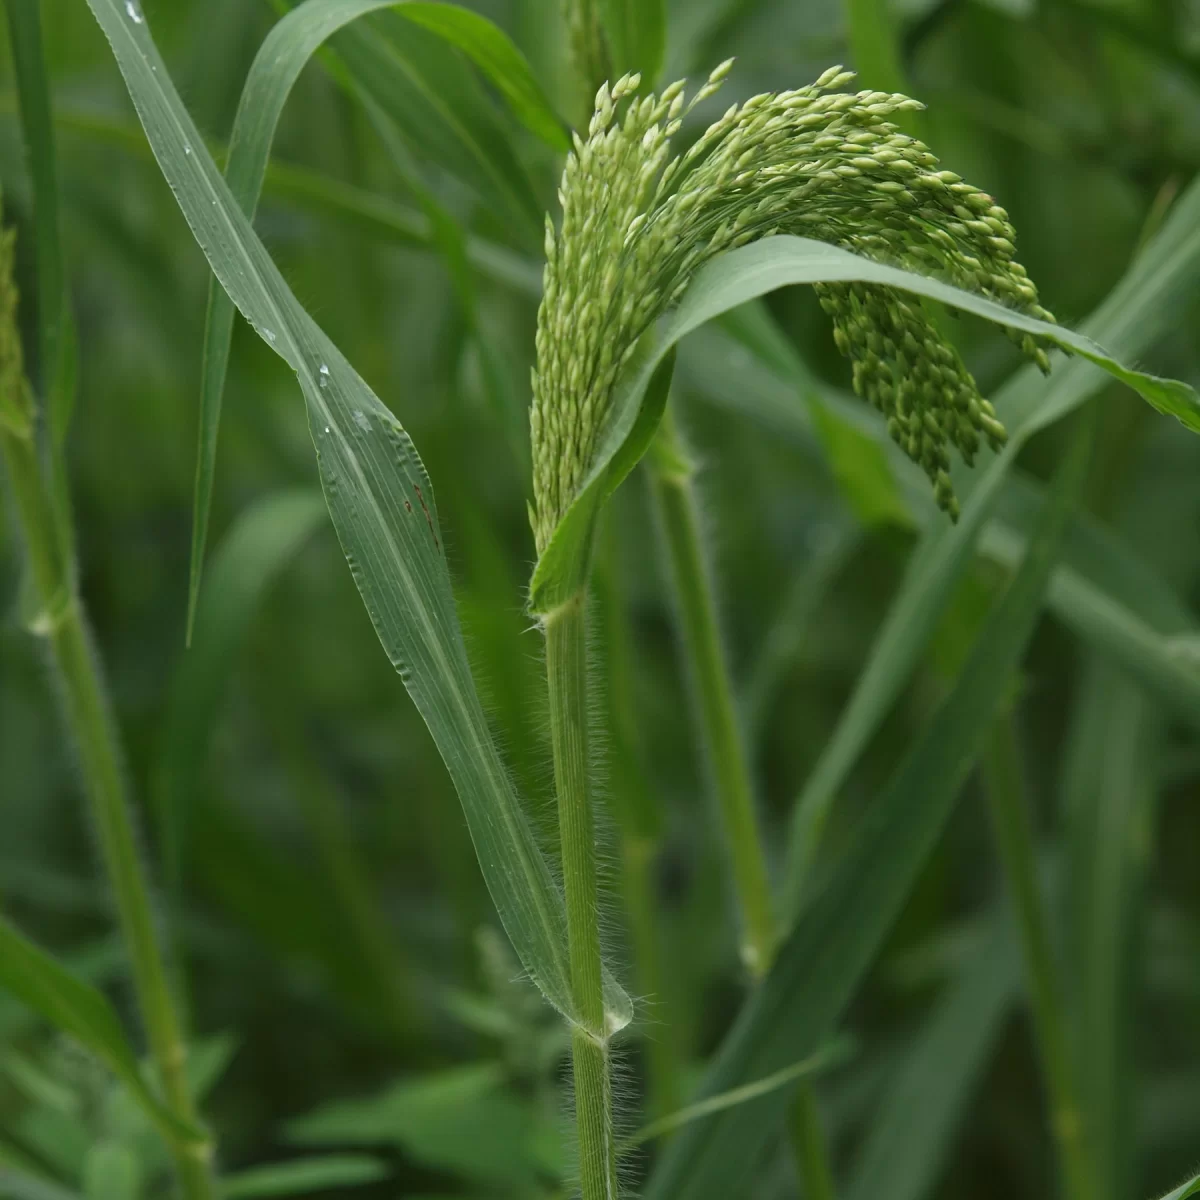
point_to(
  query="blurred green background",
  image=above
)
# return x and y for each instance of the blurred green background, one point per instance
(341, 955)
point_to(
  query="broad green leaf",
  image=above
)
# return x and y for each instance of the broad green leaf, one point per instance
(265, 538)
(493, 52)
(385, 516)
(831, 946)
(110, 1172)
(466, 1120)
(746, 274)
(910, 1134)
(332, 1171)
(79, 1009)
(637, 36)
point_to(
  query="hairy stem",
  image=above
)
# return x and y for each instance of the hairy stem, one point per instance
(640, 822)
(1014, 838)
(87, 716)
(566, 673)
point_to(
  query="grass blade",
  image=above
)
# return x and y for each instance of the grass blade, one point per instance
(637, 36)
(56, 330)
(1134, 314)
(332, 1171)
(284, 53)
(263, 541)
(493, 52)
(384, 512)
(911, 1132)
(79, 1009)
(829, 950)
(1185, 1190)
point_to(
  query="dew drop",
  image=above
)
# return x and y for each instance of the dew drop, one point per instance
(326, 428)
(268, 335)
(323, 381)
(361, 420)
(135, 14)
(187, 148)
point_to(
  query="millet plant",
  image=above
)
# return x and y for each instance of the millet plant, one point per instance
(663, 226)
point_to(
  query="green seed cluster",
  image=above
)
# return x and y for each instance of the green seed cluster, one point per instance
(638, 223)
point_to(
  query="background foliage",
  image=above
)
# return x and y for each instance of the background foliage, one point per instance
(346, 978)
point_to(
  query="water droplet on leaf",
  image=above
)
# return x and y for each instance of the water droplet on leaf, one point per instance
(135, 13)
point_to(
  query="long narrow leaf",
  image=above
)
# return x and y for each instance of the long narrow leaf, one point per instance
(833, 943)
(264, 539)
(911, 1132)
(637, 36)
(493, 52)
(56, 330)
(79, 1009)
(384, 512)
(1136, 312)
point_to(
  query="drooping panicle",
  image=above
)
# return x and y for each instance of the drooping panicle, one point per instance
(637, 223)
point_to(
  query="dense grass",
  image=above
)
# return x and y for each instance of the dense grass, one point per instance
(887, 824)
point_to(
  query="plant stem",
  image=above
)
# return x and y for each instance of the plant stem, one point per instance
(88, 718)
(720, 734)
(672, 473)
(640, 821)
(808, 1145)
(566, 674)
(1006, 800)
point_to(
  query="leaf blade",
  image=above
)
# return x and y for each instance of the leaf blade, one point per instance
(385, 516)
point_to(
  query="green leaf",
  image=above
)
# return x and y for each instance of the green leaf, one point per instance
(637, 36)
(743, 275)
(910, 1135)
(305, 1175)
(493, 52)
(79, 1009)
(1184, 1190)
(110, 1172)
(385, 516)
(861, 467)
(833, 943)
(56, 329)
(283, 55)
(465, 1120)
(434, 98)
(264, 540)
(1134, 314)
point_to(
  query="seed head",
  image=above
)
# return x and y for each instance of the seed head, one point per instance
(638, 222)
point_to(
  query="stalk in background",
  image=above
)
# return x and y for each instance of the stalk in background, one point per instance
(60, 619)
(1014, 838)
(719, 732)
